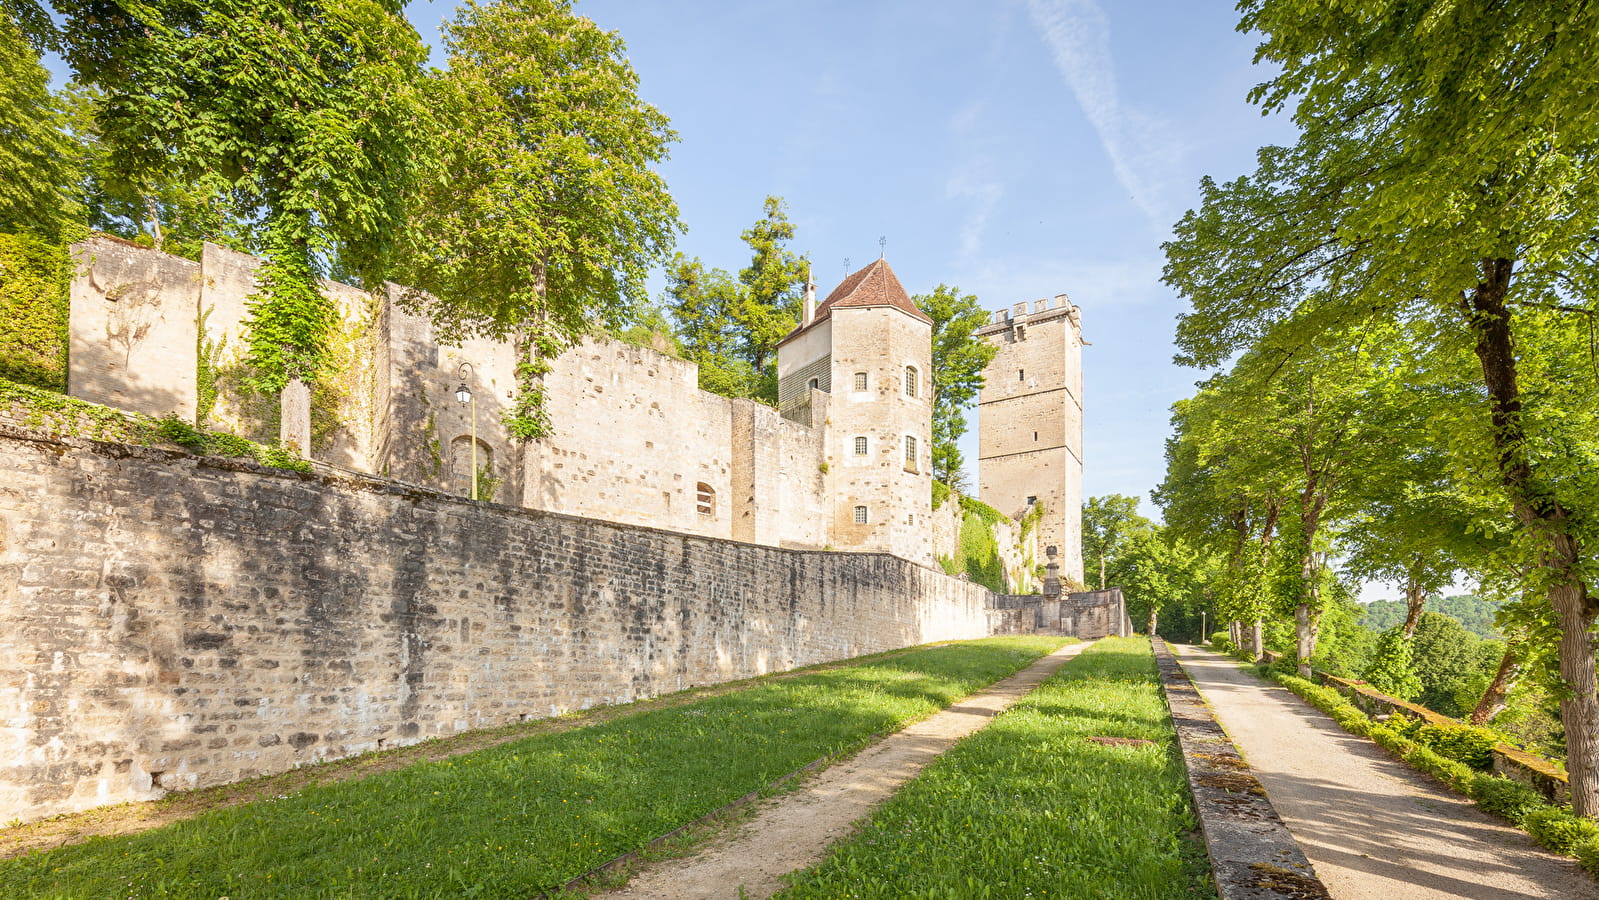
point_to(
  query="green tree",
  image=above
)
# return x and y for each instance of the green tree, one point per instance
(1443, 175)
(1391, 669)
(303, 113)
(768, 308)
(732, 327)
(38, 187)
(1110, 523)
(545, 211)
(959, 357)
(704, 305)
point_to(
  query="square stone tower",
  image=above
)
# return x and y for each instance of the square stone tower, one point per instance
(860, 365)
(1030, 422)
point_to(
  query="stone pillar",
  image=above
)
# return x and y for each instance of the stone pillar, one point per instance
(294, 418)
(1051, 574)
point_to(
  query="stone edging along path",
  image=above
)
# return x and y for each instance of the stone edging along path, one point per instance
(797, 829)
(1252, 855)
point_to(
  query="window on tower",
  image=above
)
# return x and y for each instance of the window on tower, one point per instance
(860, 515)
(704, 499)
(910, 381)
(860, 446)
(910, 453)
(860, 381)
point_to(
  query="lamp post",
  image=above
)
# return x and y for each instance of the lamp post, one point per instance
(464, 394)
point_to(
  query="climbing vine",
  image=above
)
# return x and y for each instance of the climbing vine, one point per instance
(34, 279)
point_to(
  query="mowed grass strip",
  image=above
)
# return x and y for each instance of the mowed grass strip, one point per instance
(1029, 807)
(527, 816)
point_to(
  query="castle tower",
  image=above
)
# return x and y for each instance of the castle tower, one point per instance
(1030, 422)
(860, 366)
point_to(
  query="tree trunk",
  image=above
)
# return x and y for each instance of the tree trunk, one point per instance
(1542, 514)
(1493, 700)
(1257, 639)
(1415, 598)
(1306, 626)
(1154, 614)
(1235, 631)
(1102, 571)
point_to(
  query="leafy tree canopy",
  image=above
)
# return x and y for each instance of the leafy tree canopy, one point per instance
(38, 190)
(542, 210)
(959, 357)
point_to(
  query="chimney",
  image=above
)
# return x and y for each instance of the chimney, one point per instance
(810, 301)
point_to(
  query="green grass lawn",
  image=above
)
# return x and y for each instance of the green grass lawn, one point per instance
(1028, 807)
(526, 816)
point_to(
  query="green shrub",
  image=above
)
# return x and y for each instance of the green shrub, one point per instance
(1559, 830)
(976, 507)
(174, 430)
(979, 553)
(1505, 798)
(1222, 640)
(1391, 670)
(1587, 853)
(1462, 743)
(940, 493)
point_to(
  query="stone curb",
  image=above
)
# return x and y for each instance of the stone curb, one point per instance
(1252, 855)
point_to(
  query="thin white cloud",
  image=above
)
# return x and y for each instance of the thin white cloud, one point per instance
(1144, 152)
(970, 183)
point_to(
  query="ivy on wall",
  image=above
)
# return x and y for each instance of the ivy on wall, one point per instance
(35, 276)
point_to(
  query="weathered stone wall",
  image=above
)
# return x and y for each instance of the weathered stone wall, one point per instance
(133, 325)
(168, 621)
(1018, 551)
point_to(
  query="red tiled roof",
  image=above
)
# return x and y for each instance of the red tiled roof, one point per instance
(875, 285)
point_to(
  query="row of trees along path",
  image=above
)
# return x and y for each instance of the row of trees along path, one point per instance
(1372, 826)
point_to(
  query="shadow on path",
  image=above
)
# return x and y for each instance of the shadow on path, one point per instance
(1372, 826)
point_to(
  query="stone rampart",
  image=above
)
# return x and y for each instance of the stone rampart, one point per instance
(170, 621)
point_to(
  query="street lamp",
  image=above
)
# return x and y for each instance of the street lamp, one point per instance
(464, 395)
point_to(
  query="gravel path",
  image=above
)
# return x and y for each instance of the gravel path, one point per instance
(1372, 826)
(795, 830)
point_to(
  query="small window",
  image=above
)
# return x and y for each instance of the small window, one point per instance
(860, 515)
(1021, 375)
(816, 384)
(1035, 435)
(910, 452)
(704, 499)
(910, 519)
(1031, 500)
(860, 446)
(910, 381)
(860, 381)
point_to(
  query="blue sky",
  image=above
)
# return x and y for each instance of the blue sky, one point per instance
(1016, 148)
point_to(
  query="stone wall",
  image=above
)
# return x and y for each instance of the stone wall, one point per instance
(170, 621)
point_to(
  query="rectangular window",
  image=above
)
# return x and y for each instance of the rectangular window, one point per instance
(910, 381)
(860, 381)
(1021, 375)
(860, 515)
(860, 446)
(910, 453)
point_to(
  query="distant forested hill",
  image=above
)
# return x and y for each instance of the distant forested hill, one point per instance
(1474, 613)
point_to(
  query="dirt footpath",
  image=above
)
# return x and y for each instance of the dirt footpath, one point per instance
(795, 830)
(1374, 828)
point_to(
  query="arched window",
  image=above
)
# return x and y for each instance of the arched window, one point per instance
(910, 381)
(815, 384)
(860, 515)
(910, 453)
(704, 499)
(860, 446)
(860, 381)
